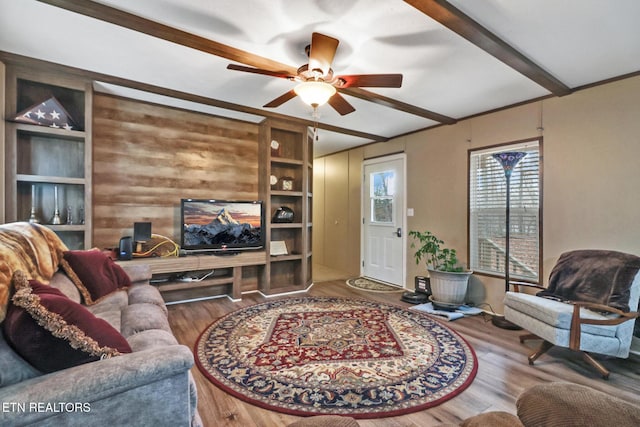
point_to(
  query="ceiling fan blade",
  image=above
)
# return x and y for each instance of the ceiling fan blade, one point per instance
(281, 99)
(281, 74)
(323, 49)
(341, 105)
(372, 80)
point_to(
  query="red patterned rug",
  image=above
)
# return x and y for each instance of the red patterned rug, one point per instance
(326, 355)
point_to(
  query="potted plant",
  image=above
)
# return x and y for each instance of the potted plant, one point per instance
(447, 278)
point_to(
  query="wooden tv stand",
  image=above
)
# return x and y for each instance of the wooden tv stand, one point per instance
(166, 266)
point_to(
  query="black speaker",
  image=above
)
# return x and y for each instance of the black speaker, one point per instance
(125, 249)
(141, 231)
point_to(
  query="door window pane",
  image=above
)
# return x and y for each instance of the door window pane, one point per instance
(382, 193)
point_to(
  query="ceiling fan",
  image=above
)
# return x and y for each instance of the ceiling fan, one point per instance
(317, 83)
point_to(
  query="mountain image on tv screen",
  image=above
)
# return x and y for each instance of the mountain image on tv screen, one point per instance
(221, 224)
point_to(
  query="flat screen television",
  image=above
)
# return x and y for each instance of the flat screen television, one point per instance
(222, 226)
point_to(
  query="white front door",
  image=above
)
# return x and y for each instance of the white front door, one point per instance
(383, 223)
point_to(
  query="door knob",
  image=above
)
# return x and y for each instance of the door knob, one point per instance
(399, 232)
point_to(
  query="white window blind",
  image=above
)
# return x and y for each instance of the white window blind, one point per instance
(487, 210)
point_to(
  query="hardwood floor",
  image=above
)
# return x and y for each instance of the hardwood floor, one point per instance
(503, 371)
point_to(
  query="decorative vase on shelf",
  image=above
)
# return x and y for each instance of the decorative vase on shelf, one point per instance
(56, 220)
(33, 218)
(69, 215)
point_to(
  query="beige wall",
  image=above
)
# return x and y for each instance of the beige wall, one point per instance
(590, 176)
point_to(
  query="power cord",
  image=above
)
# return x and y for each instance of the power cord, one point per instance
(175, 251)
(195, 279)
(487, 315)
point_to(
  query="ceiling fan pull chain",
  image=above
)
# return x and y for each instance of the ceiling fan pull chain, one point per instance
(314, 115)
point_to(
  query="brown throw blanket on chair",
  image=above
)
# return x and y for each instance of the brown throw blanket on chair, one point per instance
(598, 276)
(31, 248)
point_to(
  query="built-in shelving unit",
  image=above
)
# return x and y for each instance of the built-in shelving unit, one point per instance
(286, 162)
(43, 161)
(45, 164)
(199, 277)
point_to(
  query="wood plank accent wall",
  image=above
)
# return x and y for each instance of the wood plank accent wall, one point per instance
(147, 157)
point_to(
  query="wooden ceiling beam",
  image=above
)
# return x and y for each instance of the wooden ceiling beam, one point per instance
(398, 105)
(146, 26)
(155, 29)
(460, 23)
(90, 76)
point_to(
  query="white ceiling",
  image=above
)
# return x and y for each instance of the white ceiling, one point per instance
(578, 42)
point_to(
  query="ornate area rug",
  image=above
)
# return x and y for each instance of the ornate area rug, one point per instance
(365, 284)
(327, 355)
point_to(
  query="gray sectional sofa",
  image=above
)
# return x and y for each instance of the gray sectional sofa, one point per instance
(150, 386)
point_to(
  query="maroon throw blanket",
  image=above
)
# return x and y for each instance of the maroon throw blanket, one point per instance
(597, 276)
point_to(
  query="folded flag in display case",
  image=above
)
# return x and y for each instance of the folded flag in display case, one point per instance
(48, 113)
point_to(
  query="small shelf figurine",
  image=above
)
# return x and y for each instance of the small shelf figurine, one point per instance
(286, 183)
(275, 148)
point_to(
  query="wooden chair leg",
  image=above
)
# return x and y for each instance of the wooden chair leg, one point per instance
(526, 337)
(593, 362)
(546, 345)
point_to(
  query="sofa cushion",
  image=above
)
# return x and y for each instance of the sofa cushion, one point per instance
(115, 301)
(110, 308)
(113, 318)
(557, 314)
(152, 338)
(52, 332)
(94, 273)
(62, 282)
(143, 317)
(13, 368)
(140, 294)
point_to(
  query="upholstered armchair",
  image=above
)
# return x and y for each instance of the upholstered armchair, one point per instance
(590, 306)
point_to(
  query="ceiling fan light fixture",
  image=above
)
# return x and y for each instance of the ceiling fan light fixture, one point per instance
(314, 93)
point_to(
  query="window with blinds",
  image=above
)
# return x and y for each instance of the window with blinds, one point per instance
(487, 210)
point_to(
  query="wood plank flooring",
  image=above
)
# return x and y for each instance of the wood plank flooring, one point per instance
(503, 371)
